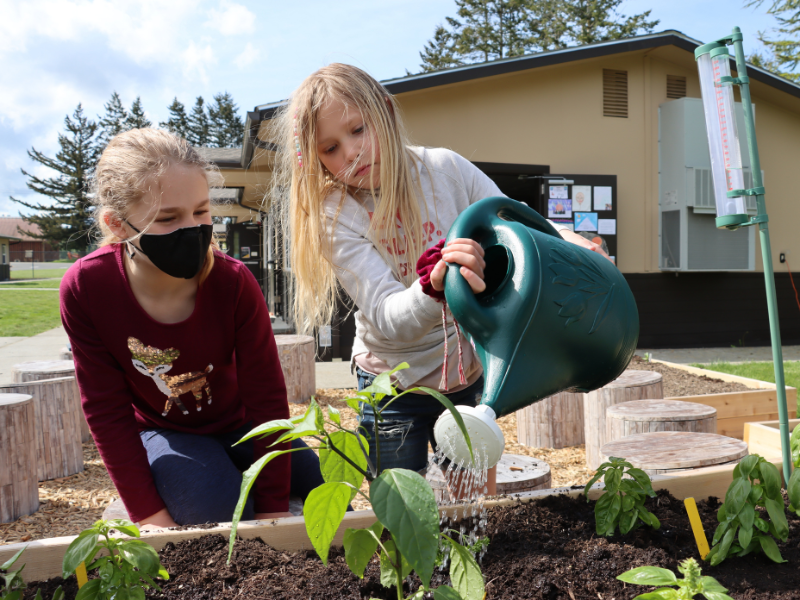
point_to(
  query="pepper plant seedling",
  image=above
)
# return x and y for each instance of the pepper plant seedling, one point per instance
(623, 503)
(756, 483)
(126, 572)
(693, 583)
(402, 500)
(793, 487)
(13, 586)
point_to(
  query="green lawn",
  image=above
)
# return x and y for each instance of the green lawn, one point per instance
(27, 313)
(762, 371)
(37, 273)
(46, 284)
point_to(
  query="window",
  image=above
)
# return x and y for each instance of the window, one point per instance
(615, 93)
(676, 86)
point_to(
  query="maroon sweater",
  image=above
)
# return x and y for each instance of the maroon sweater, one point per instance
(127, 363)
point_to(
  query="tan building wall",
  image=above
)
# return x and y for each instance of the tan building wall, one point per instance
(554, 116)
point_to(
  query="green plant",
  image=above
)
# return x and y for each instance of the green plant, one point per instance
(756, 483)
(402, 500)
(691, 584)
(622, 505)
(125, 573)
(13, 586)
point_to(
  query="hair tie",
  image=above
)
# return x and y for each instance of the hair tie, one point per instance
(297, 142)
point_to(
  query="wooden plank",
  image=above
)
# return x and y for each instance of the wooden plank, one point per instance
(735, 427)
(764, 438)
(740, 404)
(675, 450)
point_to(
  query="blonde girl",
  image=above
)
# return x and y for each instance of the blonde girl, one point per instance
(173, 347)
(366, 212)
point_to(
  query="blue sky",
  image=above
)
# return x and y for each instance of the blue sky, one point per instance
(57, 53)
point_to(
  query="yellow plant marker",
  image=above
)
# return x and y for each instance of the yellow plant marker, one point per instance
(697, 526)
(80, 573)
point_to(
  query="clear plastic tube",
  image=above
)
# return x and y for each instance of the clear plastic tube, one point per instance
(723, 135)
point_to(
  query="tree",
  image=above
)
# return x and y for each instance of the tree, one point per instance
(136, 117)
(68, 219)
(114, 120)
(178, 122)
(226, 129)
(198, 134)
(485, 30)
(786, 51)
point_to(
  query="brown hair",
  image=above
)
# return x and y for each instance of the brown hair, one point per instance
(130, 166)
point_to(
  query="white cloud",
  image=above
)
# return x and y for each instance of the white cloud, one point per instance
(231, 19)
(196, 61)
(247, 57)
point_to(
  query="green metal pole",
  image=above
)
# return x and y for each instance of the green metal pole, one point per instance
(766, 253)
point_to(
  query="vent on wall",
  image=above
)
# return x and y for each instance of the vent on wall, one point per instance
(615, 93)
(676, 86)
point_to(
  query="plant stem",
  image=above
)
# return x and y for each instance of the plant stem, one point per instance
(371, 475)
(329, 444)
(399, 570)
(377, 447)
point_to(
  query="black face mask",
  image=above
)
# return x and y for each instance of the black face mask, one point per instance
(180, 254)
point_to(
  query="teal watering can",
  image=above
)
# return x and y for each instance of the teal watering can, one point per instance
(554, 317)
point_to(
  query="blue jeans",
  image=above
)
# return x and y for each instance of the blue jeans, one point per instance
(199, 476)
(408, 423)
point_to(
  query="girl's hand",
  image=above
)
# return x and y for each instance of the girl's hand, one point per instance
(161, 520)
(467, 253)
(275, 515)
(581, 241)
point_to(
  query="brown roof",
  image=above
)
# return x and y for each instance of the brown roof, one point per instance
(8, 228)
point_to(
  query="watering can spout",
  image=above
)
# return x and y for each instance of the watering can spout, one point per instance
(553, 317)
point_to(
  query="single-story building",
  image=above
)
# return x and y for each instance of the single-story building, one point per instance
(620, 123)
(21, 246)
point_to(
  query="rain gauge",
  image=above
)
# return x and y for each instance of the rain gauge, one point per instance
(716, 87)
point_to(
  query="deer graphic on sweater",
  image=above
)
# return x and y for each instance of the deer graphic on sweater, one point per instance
(155, 364)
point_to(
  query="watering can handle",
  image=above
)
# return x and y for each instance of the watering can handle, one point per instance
(479, 227)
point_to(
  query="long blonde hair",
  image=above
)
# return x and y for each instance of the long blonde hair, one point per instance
(304, 223)
(130, 166)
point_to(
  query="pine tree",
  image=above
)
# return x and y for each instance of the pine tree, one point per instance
(114, 120)
(785, 52)
(489, 29)
(198, 134)
(136, 117)
(67, 219)
(178, 122)
(439, 53)
(226, 128)
(591, 21)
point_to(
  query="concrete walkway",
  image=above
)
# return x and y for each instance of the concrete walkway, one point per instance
(45, 346)
(709, 355)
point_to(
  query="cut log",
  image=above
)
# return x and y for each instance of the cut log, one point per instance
(515, 474)
(19, 485)
(554, 422)
(645, 416)
(52, 369)
(58, 418)
(670, 451)
(631, 385)
(297, 355)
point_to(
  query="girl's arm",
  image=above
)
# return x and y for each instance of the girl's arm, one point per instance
(262, 389)
(107, 403)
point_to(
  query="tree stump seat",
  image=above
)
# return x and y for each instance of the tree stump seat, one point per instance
(672, 451)
(645, 416)
(298, 357)
(554, 422)
(515, 474)
(19, 483)
(631, 385)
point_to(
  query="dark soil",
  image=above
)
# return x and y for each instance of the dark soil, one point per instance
(682, 383)
(543, 550)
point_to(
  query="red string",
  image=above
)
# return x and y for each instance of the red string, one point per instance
(792, 280)
(443, 382)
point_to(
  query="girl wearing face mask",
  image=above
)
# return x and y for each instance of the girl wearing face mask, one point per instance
(173, 347)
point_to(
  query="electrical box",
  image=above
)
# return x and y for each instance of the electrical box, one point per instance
(688, 236)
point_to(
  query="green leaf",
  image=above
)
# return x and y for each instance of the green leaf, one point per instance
(762, 524)
(592, 481)
(722, 514)
(627, 519)
(725, 544)
(716, 596)
(445, 401)
(141, 555)
(612, 479)
(755, 494)
(709, 584)
(7, 565)
(323, 511)
(90, 590)
(312, 423)
(649, 517)
(465, 574)
(267, 428)
(382, 384)
(360, 546)
(771, 478)
(659, 594)
(737, 496)
(643, 479)
(124, 526)
(649, 576)
(445, 592)
(777, 515)
(770, 548)
(79, 550)
(745, 536)
(746, 465)
(248, 479)
(333, 415)
(404, 502)
(793, 489)
(388, 572)
(355, 404)
(606, 510)
(335, 468)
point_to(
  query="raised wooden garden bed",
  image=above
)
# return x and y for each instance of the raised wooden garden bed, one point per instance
(764, 437)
